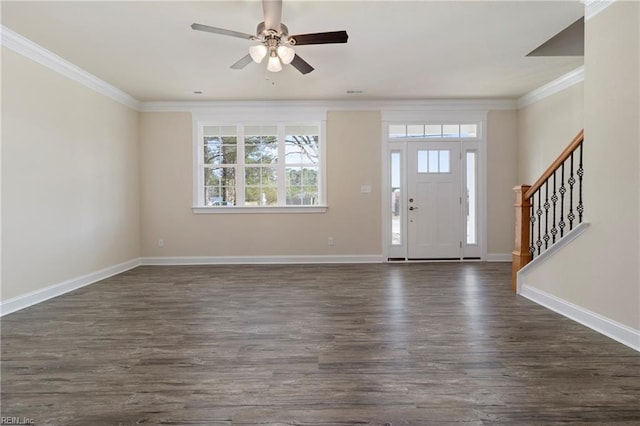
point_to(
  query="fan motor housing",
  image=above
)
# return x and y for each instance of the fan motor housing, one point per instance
(263, 33)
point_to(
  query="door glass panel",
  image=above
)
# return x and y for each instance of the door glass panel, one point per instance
(396, 198)
(444, 161)
(472, 216)
(433, 161)
(423, 163)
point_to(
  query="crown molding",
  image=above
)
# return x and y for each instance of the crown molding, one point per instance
(25, 47)
(328, 105)
(593, 7)
(569, 79)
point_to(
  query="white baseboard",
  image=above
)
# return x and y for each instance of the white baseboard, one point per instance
(252, 260)
(499, 257)
(610, 328)
(23, 301)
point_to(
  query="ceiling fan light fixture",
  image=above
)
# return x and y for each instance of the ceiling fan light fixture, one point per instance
(274, 64)
(286, 54)
(258, 52)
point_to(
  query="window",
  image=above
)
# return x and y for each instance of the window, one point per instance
(434, 161)
(265, 165)
(472, 198)
(220, 155)
(445, 130)
(396, 198)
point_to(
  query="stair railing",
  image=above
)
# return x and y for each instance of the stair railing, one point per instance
(551, 207)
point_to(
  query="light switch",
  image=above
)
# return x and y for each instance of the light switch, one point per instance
(365, 189)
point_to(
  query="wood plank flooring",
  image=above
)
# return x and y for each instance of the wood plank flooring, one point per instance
(379, 344)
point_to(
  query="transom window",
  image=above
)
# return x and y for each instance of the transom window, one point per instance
(442, 130)
(264, 165)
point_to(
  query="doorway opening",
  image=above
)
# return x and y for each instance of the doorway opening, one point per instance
(434, 196)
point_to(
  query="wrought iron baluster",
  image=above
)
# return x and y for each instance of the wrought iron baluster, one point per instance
(562, 190)
(546, 206)
(532, 219)
(571, 216)
(539, 214)
(580, 173)
(554, 200)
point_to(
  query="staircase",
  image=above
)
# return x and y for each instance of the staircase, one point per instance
(547, 210)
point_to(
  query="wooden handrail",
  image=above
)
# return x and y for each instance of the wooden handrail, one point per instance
(556, 164)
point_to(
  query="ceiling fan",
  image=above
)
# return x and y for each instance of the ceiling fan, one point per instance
(275, 42)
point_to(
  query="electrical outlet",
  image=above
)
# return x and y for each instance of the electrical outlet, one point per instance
(331, 241)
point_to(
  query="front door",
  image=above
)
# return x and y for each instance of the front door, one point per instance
(434, 221)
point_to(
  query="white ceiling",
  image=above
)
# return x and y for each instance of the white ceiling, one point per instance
(396, 49)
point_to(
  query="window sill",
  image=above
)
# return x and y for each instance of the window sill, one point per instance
(265, 209)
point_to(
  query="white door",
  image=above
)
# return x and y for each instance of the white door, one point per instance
(434, 221)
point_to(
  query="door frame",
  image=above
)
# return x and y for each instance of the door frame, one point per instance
(389, 145)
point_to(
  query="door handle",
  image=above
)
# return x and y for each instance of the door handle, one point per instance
(413, 208)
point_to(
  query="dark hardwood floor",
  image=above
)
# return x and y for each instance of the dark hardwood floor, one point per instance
(396, 344)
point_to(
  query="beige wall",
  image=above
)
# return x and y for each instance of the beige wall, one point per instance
(353, 219)
(600, 270)
(70, 202)
(501, 178)
(545, 128)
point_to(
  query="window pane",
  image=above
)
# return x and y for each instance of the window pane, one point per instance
(433, 130)
(397, 131)
(261, 149)
(252, 176)
(444, 163)
(268, 176)
(261, 186)
(261, 196)
(469, 130)
(423, 163)
(260, 130)
(219, 186)
(309, 196)
(472, 232)
(219, 130)
(396, 198)
(301, 148)
(294, 176)
(450, 130)
(415, 131)
(433, 161)
(302, 185)
(219, 144)
(310, 176)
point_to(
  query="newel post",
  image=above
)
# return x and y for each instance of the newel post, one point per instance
(521, 255)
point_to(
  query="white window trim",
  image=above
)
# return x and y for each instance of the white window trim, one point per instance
(198, 206)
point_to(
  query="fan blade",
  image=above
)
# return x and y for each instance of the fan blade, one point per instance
(272, 14)
(207, 28)
(243, 62)
(320, 38)
(301, 65)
